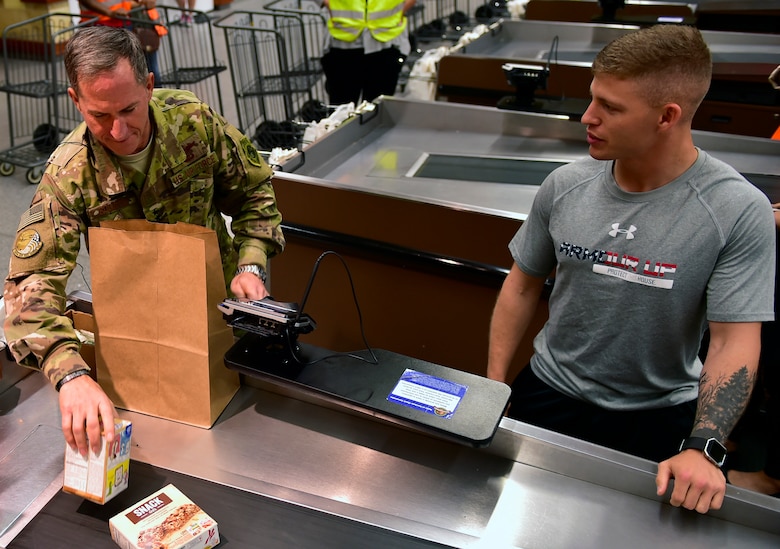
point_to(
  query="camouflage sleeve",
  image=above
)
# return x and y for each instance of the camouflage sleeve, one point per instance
(244, 192)
(43, 255)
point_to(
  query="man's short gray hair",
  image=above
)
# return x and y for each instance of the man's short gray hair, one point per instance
(94, 50)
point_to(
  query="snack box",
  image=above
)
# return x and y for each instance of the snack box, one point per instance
(99, 477)
(166, 519)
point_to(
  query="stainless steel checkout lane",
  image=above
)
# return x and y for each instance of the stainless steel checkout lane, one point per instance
(389, 151)
(530, 488)
(423, 197)
(740, 100)
(578, 43)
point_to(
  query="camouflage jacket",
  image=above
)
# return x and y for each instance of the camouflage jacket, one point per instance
(201, 168)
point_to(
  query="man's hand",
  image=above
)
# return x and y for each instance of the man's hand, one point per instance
(248, 286)
(698, 483)
(86, 412)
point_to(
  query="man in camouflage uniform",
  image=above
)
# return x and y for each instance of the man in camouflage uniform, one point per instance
(162, 155)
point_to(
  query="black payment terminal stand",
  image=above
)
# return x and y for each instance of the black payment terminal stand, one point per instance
(413, 393)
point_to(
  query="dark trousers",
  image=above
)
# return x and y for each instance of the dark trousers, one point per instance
(350, 73)
(651, 434)
(768, 385)
(762, 416)
(772, 466)
(766, 397)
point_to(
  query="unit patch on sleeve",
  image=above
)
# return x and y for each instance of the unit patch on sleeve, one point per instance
(251, 153)
(28, 243)
(34, 246)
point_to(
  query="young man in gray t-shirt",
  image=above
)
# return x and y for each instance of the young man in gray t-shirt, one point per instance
(650, 240)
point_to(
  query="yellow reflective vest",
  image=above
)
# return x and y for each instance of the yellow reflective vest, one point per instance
(384, 19)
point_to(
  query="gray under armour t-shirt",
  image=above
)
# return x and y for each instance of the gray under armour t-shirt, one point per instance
(638, 274)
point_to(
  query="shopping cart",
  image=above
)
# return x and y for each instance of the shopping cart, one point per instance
(314, 17)
(187, 56)
(275, 70)
(39, 110)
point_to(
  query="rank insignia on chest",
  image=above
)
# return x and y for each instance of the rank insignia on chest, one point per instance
(193, 149)
(28, 243)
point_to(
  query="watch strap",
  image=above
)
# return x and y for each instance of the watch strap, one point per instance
(712, 448)
(70, 377)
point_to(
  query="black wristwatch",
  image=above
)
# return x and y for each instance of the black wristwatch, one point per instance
(712, 448)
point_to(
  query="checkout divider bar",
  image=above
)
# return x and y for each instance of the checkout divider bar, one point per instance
(474, 271)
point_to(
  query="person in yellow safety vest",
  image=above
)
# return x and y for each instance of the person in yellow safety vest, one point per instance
(114, 13)
(368, 44)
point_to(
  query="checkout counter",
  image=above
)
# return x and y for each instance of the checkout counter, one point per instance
(739, 15)
(277, 471)
(729, 15)
(740, 101)
(610, 11)
(421, 201)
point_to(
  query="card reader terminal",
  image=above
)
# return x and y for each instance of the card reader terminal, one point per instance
(266, 317)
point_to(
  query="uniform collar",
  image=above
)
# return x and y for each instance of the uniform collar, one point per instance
(107, 173)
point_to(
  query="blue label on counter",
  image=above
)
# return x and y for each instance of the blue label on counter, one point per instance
(427, 393)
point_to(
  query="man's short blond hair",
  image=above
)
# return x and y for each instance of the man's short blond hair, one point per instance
(671, 63)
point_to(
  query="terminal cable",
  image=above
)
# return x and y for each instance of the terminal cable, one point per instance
(373, 358)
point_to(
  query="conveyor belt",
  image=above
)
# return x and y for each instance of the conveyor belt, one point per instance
(244, 519)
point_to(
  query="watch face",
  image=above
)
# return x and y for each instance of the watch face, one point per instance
(715, 451)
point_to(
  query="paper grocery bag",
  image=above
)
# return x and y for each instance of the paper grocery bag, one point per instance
(160, 339)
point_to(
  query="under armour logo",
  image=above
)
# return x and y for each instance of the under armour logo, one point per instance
(616, 230)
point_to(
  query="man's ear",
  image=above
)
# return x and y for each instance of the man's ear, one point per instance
(73, 96)
(671, 114)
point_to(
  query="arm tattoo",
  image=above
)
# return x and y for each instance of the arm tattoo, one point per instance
(721, 402)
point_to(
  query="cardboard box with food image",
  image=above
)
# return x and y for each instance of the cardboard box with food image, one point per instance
(167, 519)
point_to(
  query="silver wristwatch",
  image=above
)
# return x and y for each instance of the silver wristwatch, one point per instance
(256, 270)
